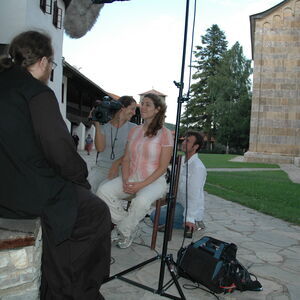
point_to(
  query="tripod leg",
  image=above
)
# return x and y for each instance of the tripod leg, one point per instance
(170, 264)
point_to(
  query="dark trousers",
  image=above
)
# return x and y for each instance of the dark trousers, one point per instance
(76, 268)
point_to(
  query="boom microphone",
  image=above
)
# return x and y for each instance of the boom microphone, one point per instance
(81, 15)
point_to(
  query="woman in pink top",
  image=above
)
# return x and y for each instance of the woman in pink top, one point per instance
(145, 162)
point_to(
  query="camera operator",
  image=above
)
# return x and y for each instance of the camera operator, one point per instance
(44, 176)
(110, 141)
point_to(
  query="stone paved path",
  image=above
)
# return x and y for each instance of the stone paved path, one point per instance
(269, 247)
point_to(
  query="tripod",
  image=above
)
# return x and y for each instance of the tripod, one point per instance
(166, 259)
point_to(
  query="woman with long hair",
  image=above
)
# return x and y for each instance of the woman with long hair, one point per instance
(148, 153)
(110, 142)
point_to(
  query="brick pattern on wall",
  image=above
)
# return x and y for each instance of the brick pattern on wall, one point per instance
(275, 117)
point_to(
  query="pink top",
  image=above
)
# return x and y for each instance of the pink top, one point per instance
(144, 152)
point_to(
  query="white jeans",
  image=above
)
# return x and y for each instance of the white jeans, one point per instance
(112, 193)
(97, 176)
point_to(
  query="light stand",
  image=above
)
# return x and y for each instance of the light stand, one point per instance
(166, 259)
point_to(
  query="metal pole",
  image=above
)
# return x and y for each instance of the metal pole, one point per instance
(170, 197)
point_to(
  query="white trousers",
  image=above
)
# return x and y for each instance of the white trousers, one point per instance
(112, 194)
(97, 176)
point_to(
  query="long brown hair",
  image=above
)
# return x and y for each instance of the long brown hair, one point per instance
(158, 121)
(26, 49)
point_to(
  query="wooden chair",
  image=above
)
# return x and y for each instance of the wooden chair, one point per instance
(162, 201)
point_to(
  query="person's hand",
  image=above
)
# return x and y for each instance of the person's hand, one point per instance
(132, 187)
(125, 183)
(191, 226)
(113, 172)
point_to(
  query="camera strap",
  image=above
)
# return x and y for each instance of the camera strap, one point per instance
(113, 142)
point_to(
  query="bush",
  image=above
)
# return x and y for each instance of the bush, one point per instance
(221, 149)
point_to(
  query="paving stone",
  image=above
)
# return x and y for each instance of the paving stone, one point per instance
(269, 247)
(292, 253)
(269, 257)
(243, 228)
(273, 238)
(294, 291)
(275, 272)
(251, 258)
(281, 297)
(256, 246)
(292, 264)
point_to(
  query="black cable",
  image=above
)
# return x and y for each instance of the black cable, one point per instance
(189, 286)
(192, 46)
(113, 142)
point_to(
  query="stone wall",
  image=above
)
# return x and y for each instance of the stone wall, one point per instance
(20, 259)
(275, 116)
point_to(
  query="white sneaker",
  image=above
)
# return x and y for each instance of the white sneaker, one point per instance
(115, 235)
(126, 242)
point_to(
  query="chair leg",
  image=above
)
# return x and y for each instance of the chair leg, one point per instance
(172, 222)
(155, 224)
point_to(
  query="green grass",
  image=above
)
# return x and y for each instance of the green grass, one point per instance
(222, 161)
(270, 192)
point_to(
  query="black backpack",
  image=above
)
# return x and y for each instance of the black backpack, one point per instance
(213, 263)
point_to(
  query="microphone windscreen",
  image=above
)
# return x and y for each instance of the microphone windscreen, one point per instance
(80, 17)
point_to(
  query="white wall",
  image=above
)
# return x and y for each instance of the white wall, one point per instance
(19, 15)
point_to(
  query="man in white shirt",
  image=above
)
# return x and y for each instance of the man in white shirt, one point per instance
(189, 208)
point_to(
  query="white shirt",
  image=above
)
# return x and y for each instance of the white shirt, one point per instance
(196, 177)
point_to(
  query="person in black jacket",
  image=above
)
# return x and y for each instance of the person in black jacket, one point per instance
(44, 176)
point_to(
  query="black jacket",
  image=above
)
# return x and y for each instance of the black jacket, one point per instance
(38, 161)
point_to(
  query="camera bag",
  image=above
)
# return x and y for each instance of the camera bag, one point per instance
(213, 264)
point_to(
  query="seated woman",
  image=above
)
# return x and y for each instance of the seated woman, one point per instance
(145, 162)
(110, 141)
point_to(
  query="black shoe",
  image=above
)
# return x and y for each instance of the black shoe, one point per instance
(161, 228)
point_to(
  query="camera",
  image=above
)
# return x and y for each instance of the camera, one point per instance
(105, 110)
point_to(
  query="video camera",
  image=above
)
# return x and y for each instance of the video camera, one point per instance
(105, 110)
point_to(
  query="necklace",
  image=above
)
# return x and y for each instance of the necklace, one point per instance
(113, 142)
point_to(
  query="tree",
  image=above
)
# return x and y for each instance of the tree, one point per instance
(199, 111)
(220, 103)
(230, 87)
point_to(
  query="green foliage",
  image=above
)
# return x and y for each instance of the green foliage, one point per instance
(231, 89)
(270, 192)
(220, 103)
(199, 111)
(170, 126)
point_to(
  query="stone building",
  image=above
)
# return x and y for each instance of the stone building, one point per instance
(275, 116)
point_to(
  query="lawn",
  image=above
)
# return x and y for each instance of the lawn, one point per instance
(270, 192)
(222, 161)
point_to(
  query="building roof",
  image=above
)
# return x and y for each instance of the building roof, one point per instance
(154, 92)
(261, 15)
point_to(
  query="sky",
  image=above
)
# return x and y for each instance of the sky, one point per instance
(136, 45)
